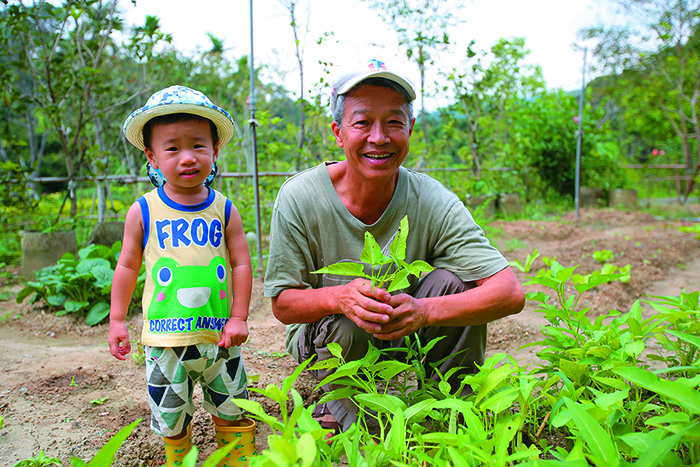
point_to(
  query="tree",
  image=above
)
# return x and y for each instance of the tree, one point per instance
(422, 28)
(485, 94)
(656, 58)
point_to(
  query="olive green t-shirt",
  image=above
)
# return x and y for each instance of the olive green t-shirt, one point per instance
(311, 228)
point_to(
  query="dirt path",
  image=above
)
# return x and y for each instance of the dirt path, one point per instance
(62, 392)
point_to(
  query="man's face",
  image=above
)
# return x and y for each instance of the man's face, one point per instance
(375, 131)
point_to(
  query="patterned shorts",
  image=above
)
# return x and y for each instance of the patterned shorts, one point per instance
(172, 372)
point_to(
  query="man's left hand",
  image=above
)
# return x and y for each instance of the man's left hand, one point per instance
(408, 316)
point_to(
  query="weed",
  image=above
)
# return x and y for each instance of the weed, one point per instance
(99, 401)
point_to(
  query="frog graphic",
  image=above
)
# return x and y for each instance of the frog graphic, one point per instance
(186, 291)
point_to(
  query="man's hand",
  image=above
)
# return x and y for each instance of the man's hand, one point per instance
(408, 315)
(366, 306)
(235, 333)
(119, 344)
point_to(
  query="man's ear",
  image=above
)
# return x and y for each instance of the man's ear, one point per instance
(410, 130)
(336, 133)
(151, 158)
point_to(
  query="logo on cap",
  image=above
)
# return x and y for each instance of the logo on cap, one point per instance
(376, 65)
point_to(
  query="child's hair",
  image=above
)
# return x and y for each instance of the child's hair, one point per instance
(176, 118)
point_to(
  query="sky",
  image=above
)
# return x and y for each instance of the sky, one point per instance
(359, 34)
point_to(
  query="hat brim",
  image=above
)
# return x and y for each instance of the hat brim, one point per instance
(133, 126)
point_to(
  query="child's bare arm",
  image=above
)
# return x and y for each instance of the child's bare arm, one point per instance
(236, 331)
(126, 274)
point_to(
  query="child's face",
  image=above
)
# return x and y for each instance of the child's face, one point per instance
(184, 152)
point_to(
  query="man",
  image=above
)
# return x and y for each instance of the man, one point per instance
(321, 215)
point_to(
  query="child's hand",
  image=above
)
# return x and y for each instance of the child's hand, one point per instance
(235, 333)
(119, 344)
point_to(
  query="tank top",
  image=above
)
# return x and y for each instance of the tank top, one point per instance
(188, 274)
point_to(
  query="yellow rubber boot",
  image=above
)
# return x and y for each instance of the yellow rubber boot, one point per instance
(177, 449)
(243, 435)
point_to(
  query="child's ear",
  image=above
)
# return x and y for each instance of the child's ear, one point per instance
(215, 155)
(151, 157)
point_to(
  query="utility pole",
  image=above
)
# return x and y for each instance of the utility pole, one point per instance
(253, 123)
(580, 131)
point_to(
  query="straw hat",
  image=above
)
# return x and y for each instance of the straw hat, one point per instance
(177, 99)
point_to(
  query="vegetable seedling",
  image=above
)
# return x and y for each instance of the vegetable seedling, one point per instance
(380, 264)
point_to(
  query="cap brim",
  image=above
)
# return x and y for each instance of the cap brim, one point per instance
(133, 126)
(403, 82)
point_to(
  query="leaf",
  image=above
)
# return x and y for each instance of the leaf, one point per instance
(306, 449)
(103, 276)
(344, 268)
(500, 401)
(688, 398)
(87, 265)
(97, 313)
(400, 281)
(419, 266)
(372, 252)
(105, 456)
(71, 306)
(25, 292)
(398, 246)
(383, 403)
(658, 451)
(597, 280)
(593, 434)
(56, 300)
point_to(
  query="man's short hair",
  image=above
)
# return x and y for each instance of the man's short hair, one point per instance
(176, 118)
(339, 109)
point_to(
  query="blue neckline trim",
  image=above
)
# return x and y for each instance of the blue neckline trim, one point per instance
(186, 207)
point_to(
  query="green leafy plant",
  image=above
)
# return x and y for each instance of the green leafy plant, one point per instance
(39, 461)
(100, 401)
(72, 381)
(529, 261)
(81, 284)
(695, 228)
(603, 256)
(389, 269)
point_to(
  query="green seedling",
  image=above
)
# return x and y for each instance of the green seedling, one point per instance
(139, 356)
(603, 256)
(72, 381)
(2, 422)
(99, 401)
(695, 228)
(39, 461)
(380, 264)
(528, 262)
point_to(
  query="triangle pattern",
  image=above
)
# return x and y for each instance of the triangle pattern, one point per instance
(156, 393)
(180, 375)
(171, 400)
(222, 353)
(216, 398)
(171, 418)
(232, 367)
(217, 384)
(178, 351)
(157, 377)
(192, 353)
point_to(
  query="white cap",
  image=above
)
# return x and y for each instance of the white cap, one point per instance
(372, 69)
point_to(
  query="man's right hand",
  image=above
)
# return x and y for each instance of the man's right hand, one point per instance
(366, 306)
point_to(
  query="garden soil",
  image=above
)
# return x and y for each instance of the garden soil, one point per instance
(62, 392)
